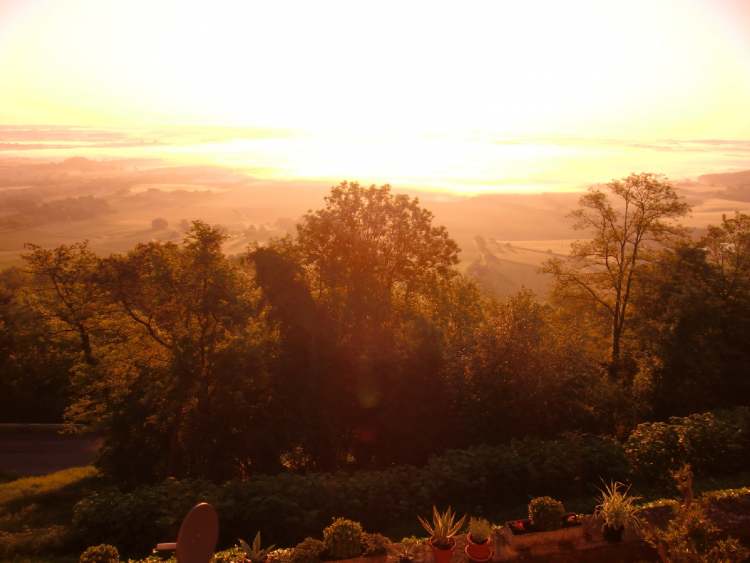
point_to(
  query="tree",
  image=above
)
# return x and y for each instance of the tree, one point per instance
(691, 316)
(378, 271)
(368, 251)
(625, 226)
(188, 368)
(34, 363)
(64, 290)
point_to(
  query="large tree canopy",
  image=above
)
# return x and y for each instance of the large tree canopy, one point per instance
(693, 316)
(624, 226)
(368, 250)
(379, 272)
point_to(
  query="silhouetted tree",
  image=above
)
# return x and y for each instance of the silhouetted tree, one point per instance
(692, 315)
(624, 228)
(65, 292)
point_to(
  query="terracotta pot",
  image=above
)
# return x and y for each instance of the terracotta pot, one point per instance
(612, 535)
(478, 551)
(445, 554)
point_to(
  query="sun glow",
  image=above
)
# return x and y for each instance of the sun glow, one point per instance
(417, 91)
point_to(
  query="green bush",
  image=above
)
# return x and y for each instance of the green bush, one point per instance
(374, 544)
(343, 539)
(713, 443)
(103, 553)
(289, 507)
(308, 550)
(654, 451)
(546, 513)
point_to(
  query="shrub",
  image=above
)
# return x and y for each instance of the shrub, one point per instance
(714, 443)
(231, 555)
(283, 555)
(102, 553)
(374, 544)
(289, 507)
(690, 535)
(654, 451)
(343, 539)
(546, 513)
(308, 550)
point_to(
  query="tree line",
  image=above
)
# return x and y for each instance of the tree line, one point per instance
(356, 342)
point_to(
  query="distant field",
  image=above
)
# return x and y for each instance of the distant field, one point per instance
(37, 449)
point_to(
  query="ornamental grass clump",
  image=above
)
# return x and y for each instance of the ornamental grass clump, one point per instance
(617, 510)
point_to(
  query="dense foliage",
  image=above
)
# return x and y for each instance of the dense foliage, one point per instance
(288, 507)
(356, 343)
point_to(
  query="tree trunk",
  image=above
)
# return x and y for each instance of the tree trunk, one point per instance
(614, 364)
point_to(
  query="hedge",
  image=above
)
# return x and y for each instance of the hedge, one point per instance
(714, 443)
(288, 507)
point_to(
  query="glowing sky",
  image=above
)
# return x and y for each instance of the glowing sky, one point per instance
(346, 76)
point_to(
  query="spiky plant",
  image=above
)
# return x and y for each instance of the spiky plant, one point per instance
(254, 553)
(616, 507)
(444, 526)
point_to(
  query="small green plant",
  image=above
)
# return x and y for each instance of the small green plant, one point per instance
(375, 544)
(308, 550)
(407, 549)
(102, 553)
(444, 526)
(254, 553)
(480, 530)
(546, 513)
(343, 539)
(282, 555)
(616, 508)
(232, 555)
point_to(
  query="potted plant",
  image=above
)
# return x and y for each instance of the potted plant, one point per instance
(406, 549)
(254, 553)
(617, 510)
(444, 526)
(546, 513)
(478, 540)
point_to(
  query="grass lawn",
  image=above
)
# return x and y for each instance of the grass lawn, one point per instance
(35, 514)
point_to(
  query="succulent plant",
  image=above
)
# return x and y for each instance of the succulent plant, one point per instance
(254, 553)
(546, 513)
(343, 539)
(407, 548)
(443, 527)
